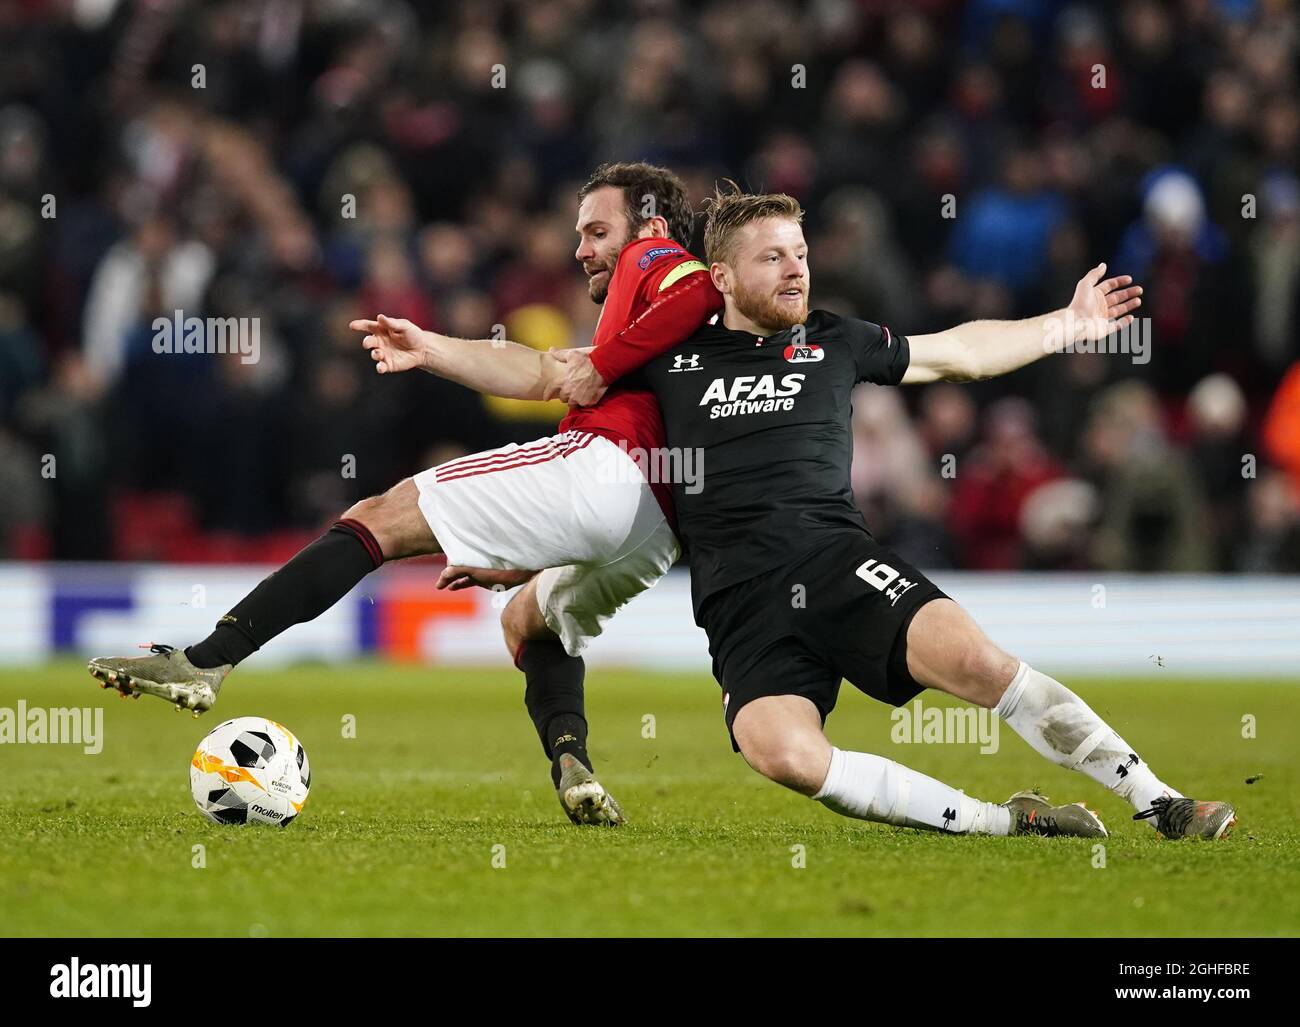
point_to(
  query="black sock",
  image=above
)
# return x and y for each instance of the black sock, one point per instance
(304, 588)
(568, 734)
(554, 699)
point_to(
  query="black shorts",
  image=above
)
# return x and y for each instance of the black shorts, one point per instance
(842, 611)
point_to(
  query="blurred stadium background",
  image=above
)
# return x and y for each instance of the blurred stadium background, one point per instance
(304, 163)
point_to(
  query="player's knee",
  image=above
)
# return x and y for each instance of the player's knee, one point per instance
(375, 514)
(985, 671)
(514, 624)
(788, 762)
(368, 511)
(395, 520)
(522, 620)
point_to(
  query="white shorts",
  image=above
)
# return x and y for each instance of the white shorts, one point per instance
(575, 503)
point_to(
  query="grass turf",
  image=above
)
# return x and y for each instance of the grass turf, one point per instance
(399, 835)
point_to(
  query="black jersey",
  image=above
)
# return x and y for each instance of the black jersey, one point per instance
(770, 421)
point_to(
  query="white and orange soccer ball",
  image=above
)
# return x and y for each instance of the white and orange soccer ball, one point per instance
(250, 771)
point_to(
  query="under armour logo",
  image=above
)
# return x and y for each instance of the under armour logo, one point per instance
(949, 815)
(681, 362)
(895, 592)
(1122, 769)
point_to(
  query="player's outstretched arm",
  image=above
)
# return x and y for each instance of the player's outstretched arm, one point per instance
(497, 367)
(986, 349)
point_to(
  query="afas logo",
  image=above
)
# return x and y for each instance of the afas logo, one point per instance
(749, 394)
(749, 386)
(806, 353)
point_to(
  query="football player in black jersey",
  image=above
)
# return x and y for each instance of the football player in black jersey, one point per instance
(790, 586)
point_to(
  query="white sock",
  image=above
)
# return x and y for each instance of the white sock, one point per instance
(869, 787)
(1064, 728)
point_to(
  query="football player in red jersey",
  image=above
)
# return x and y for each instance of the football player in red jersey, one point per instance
(579, 502)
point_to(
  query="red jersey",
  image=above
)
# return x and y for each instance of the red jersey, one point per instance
(659, 294)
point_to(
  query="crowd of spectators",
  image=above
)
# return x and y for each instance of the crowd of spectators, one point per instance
(303, 162)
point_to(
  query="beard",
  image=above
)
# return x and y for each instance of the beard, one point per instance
(763, 309)
(598, 285)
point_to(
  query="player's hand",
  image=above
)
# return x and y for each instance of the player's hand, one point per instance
(1101, 307)
(395, 344)
(581, 384)
(553, 368)
(455, 578)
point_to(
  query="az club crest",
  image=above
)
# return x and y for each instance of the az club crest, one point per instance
(806, 353)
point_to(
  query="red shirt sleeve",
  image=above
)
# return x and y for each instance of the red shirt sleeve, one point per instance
(670, 319)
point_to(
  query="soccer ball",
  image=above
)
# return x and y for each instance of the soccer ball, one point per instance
(250, 771)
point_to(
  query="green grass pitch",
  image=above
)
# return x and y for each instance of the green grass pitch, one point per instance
(403, 825)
